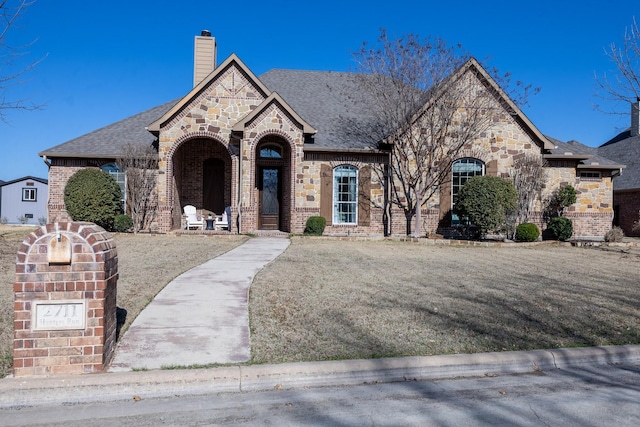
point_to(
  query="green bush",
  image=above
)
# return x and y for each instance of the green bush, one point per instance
(527, 232)
(561, 199)
(487, 201)
(315, 226)
(93, 195)
(122, 223)
(561, 228)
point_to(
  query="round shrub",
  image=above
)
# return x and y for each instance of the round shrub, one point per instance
(561, 227)
(122, 223)
(315, 226)
(527, 232)
(93, 195)
(487, 201)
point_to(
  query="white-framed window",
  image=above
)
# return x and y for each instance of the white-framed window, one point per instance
(461, 171)
(29, 194)
(120, 178)
(345, 195)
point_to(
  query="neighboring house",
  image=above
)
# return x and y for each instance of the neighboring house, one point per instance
(272, 149)
(23, 200)
(625, 148)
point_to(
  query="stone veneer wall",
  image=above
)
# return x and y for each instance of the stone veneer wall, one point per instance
(211, 114)
(91, 276)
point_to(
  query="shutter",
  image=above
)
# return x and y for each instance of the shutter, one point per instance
(445, 200)
(326, 193)
(364, 196)
(492, 168)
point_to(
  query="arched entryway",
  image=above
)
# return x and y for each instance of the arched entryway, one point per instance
(201, 176)
(273, 184)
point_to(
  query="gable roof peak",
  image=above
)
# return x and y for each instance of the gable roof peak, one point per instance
(232, 60)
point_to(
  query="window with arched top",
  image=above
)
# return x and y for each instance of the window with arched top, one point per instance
(461, 171)
(270, 151)
(345, 195)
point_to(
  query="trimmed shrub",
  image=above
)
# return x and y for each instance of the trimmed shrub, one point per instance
(93, 195)
(527, 232)
(614, 235)
(122, 223)
(315, 226)
(561, 228)
(561, 199)
(487, 201)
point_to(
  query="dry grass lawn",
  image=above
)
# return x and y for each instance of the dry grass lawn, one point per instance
(324, 299)
(146, 264)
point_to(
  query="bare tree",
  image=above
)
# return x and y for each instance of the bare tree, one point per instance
(9, 56)
(140, 165)
(623, 86)
(528, 175)
(425, 105)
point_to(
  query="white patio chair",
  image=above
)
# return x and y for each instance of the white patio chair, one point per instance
(222, 221)
(192, 220)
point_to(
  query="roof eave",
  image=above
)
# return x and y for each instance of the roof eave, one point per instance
(241, 124)
(310, 148)
(567, 156)
(155, 126)
(602, 167)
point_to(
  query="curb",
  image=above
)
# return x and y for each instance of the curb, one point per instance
(34, 391)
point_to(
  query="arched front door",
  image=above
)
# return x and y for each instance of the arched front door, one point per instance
(272, 184)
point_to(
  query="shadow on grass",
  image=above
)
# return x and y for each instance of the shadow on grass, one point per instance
(121, 318)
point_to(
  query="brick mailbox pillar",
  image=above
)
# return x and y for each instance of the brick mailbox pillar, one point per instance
(65, 300)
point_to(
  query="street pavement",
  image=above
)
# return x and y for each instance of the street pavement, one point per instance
(201, 318)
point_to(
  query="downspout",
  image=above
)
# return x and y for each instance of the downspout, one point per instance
(46, 161)
(239, 202)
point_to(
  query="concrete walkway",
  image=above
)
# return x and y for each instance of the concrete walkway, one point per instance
(202, 316)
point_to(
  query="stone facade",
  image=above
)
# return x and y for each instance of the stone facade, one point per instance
(211, 143)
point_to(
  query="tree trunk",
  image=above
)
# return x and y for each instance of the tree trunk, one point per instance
(408, 215)
(418, 228)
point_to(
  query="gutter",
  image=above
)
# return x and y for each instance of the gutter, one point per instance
(46, 161)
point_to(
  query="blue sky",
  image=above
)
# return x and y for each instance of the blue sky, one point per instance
(109, 60)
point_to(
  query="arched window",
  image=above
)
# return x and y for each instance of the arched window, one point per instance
(114, 170)
(462, 170)
(271, 152)
(345, 195)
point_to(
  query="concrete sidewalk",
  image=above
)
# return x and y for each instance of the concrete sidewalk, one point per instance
(123, 386)
(202, 316)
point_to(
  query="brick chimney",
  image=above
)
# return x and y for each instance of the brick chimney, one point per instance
(635, 117)
(204, 56)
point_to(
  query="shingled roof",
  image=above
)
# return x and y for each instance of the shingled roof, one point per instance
(324, 99)
(627, 151)
(109, 141)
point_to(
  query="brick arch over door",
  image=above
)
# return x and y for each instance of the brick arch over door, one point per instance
(273, 183)
(200, 174)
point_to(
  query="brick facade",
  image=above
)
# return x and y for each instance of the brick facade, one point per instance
(627, 207)
(87, 280)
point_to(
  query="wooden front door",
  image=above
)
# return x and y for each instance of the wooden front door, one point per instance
(270, 198)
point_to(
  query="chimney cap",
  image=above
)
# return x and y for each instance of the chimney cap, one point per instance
(205, 33)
